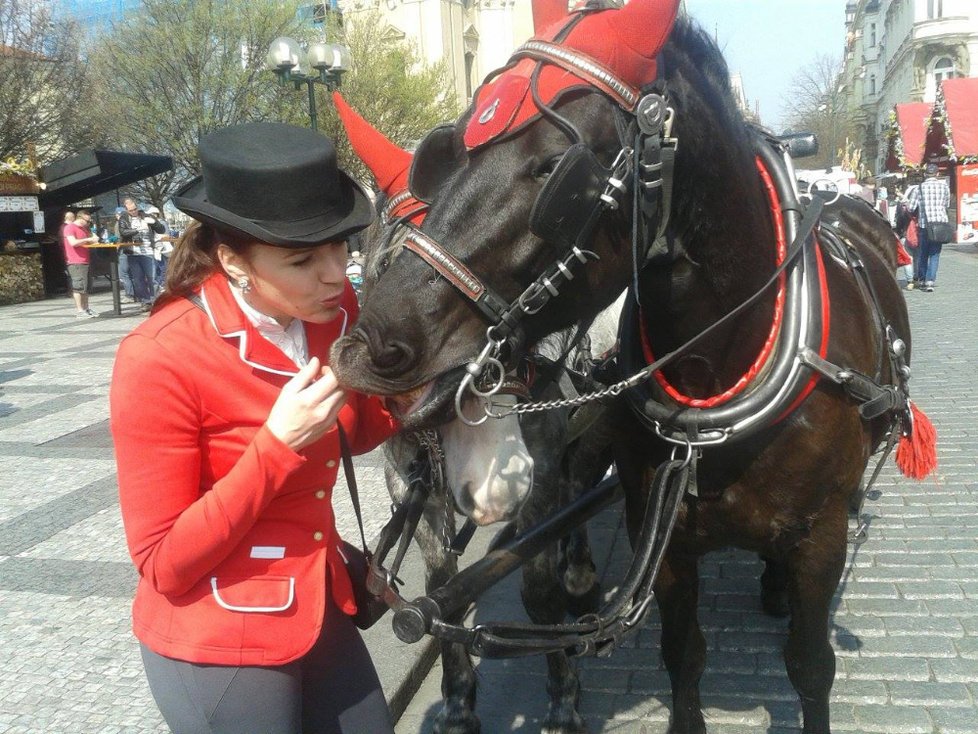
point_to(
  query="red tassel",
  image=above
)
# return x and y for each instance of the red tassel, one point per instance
(916, 454)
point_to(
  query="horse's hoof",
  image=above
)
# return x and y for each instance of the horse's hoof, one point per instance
(574, 725)
(697, 726)
(587, 603)
(458, 721)
(774, 602)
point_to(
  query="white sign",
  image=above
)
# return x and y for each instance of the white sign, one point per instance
(18, 204)
(38, 222)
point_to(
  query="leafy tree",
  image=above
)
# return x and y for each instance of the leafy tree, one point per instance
(390, 86)
(42, 83)
(817, 103)
(181, 68)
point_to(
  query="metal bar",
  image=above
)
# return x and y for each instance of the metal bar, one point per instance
(415, 619)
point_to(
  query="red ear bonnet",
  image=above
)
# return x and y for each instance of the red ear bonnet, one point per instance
(624, 41)
(388, 163)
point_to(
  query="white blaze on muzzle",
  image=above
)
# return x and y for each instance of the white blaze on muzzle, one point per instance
(488, 467)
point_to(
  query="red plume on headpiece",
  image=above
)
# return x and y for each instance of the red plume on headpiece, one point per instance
(389, 164)
(546, 13)
(625, 41)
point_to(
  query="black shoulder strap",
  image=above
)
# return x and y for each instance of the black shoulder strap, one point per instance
(195, 299)
(351, 481)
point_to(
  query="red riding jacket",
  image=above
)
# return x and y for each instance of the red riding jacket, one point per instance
(232, 531)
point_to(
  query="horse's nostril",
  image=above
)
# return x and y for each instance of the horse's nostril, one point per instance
(394, 357)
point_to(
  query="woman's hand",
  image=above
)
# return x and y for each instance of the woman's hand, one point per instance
(307, 406)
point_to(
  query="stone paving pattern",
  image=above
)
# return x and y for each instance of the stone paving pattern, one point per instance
(68, 661)
(905, 626)
(905, 623)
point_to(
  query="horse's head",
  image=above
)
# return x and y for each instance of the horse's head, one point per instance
(526, 232)
(488, 468)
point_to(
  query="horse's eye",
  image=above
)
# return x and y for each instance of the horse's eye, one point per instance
(544, 170)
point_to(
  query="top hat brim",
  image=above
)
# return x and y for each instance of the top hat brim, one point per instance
(350, 215)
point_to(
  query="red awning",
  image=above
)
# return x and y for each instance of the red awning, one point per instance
(912, 120)
(961, 105)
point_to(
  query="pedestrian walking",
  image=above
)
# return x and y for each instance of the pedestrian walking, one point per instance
(931, 200)
(226, 475)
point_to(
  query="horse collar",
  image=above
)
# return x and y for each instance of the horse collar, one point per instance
(776, 382)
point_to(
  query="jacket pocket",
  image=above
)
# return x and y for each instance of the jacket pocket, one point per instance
(259, 594)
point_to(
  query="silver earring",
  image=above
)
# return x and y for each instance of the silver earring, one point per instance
(244, 284)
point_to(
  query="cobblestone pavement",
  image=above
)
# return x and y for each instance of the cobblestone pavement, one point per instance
(905, 624)
(68, 661)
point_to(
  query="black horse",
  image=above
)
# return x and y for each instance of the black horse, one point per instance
(564, 183)
(519, 469)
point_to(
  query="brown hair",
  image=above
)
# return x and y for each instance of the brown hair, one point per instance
(194, 258)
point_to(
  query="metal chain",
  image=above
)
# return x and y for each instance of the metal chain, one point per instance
(430, 441)
(610, 391)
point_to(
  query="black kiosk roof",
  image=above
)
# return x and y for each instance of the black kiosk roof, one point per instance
(94, 172)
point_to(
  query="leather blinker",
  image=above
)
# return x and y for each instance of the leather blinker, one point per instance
(562, 212)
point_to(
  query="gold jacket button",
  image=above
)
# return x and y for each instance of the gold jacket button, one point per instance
(321, 494)
(331, 463)
(317, 535)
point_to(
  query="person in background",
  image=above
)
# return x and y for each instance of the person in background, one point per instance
(243, 597)
(162, 247)
(125, 250)
(76, 233)
(140, 228)
(930, 201)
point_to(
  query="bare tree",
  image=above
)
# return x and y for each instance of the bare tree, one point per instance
(817, 103)
(42, 83)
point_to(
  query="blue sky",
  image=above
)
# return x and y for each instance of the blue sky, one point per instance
(768, 41)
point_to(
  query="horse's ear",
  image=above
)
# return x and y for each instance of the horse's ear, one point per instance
(388, 163)
(436, 158)
(546, 13)
(644, 25)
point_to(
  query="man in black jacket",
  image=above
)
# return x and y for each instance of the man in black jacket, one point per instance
(137, 227)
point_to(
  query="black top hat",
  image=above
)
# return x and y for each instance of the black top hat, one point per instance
(278, 183)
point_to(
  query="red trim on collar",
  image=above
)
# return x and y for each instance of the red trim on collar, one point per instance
(768, 349)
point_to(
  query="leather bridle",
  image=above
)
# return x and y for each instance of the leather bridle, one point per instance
(642, 169)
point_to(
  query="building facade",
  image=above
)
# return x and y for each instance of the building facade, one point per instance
(473, 37)
(899, 51)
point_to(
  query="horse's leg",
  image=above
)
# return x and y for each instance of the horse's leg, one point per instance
(585, 464)
(458, 682)
(546, 603)
(683, 645)
(815, 567)
(774, 587)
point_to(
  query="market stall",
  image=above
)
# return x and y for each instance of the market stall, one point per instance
(952, 140)
(21, 221)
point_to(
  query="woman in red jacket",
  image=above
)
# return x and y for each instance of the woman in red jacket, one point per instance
(224, 413)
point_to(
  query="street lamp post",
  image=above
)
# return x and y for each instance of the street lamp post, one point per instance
(322, 63)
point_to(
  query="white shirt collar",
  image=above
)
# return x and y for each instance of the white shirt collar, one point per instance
(291, 339)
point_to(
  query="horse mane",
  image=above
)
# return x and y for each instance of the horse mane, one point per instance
(719, 194)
